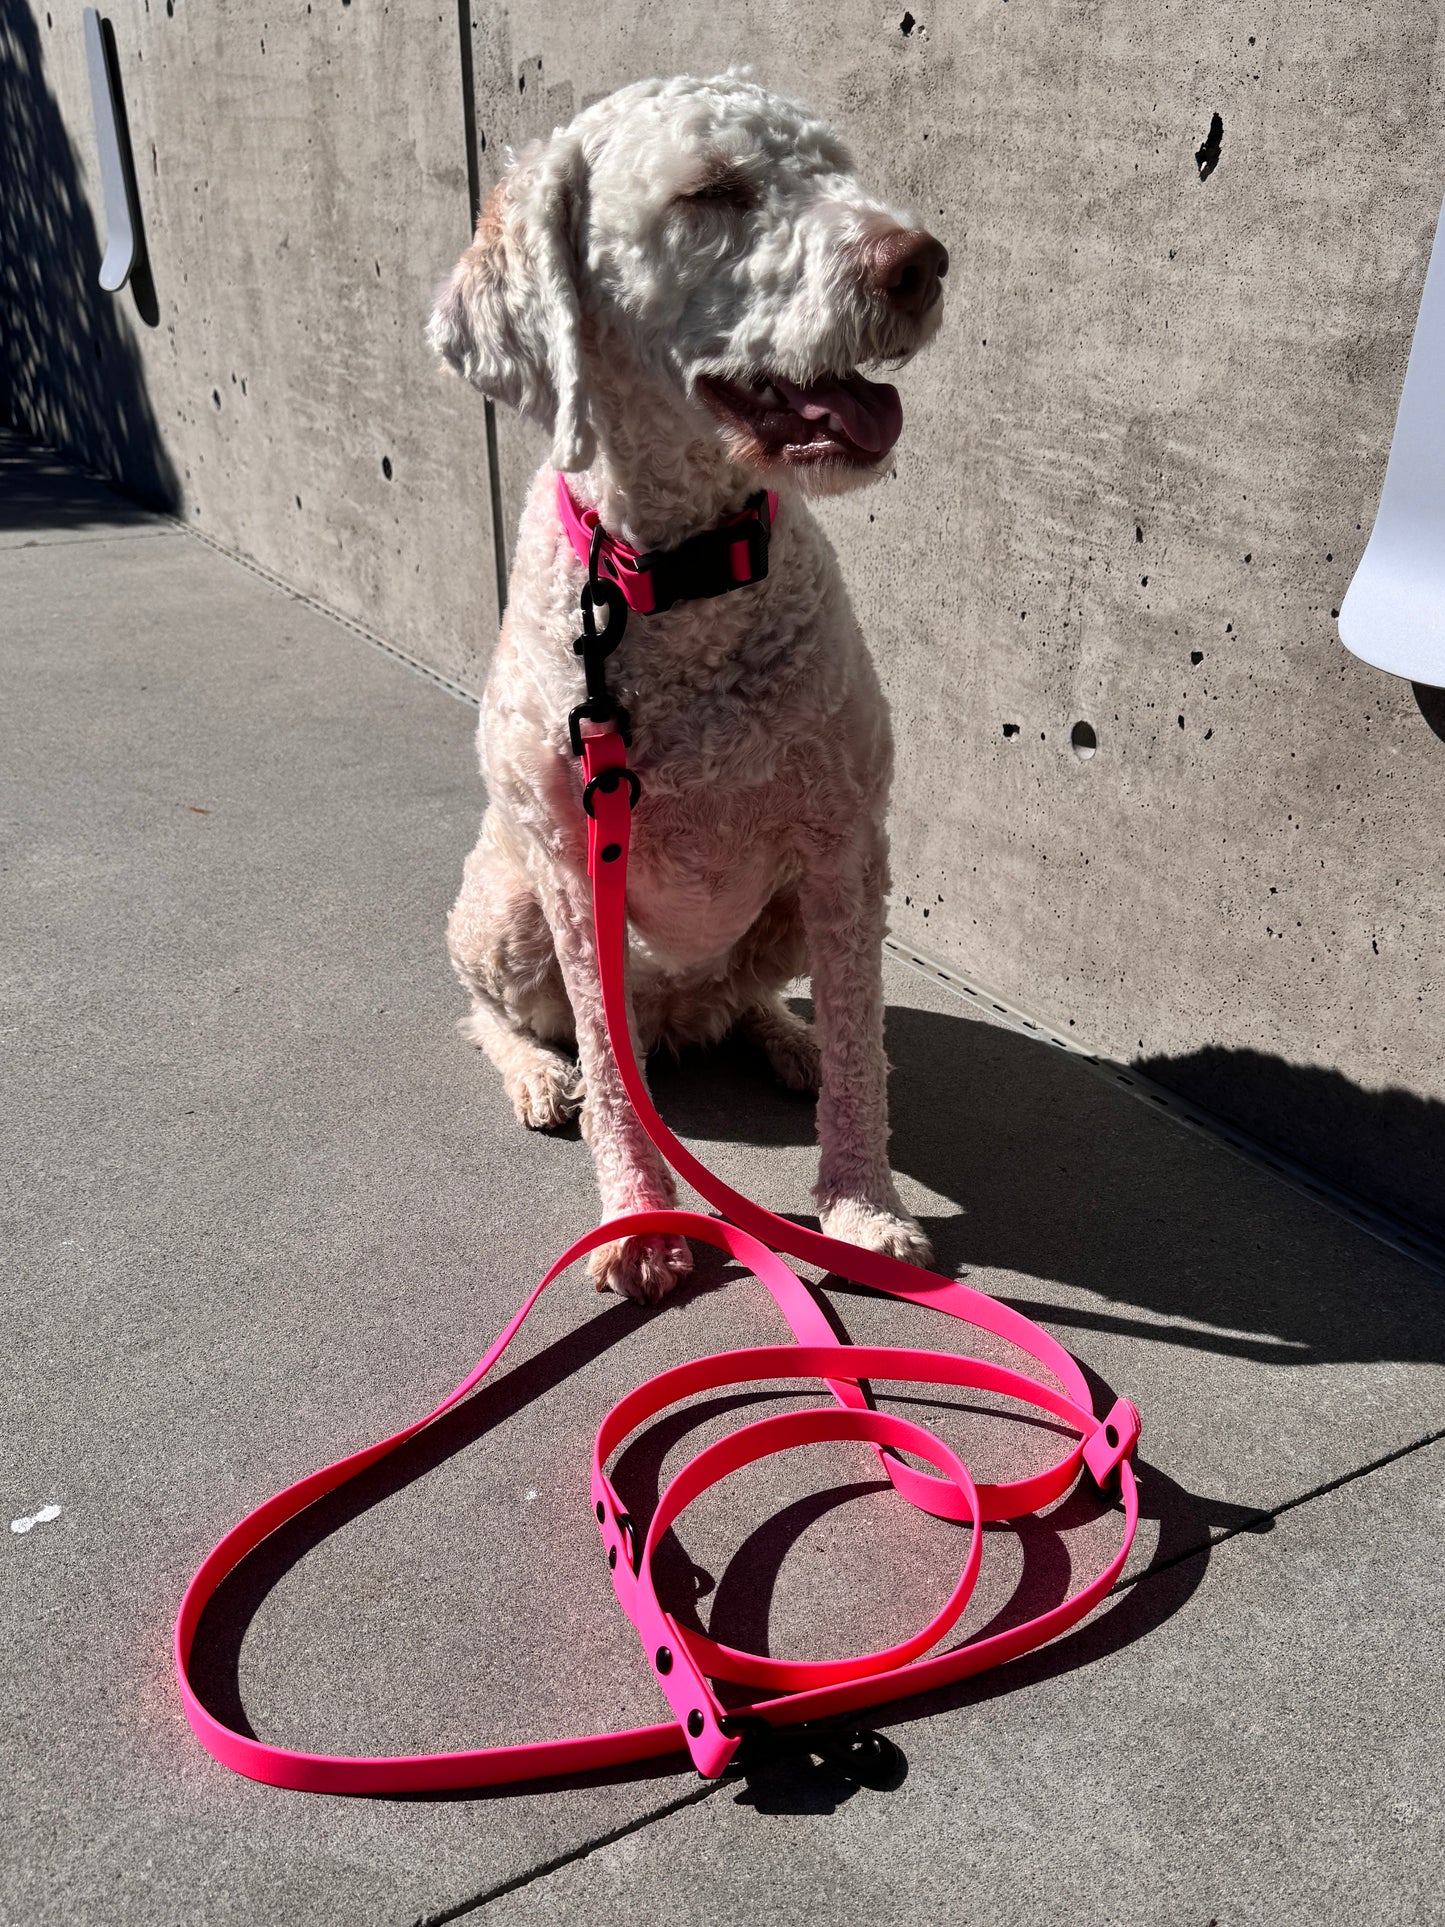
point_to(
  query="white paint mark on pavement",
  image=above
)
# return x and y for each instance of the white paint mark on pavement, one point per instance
(40, 1518)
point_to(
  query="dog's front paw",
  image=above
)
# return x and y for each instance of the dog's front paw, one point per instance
(795, 1059)
(788, 1042)
(877, 1229)
(643, 1269)
(547, 1095)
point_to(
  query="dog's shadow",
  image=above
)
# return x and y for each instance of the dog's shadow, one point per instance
(1054, 1175)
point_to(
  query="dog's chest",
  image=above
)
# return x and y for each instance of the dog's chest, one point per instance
(705, 863)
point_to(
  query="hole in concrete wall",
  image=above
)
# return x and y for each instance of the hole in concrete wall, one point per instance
(1206, 158)
(1084, 740)
(1432, 706)
(1196, 656)
(386, 466)
(216, 396)
(906, 25)
(1010, 729)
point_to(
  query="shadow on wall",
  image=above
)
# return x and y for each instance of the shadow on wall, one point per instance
(1320, 1118)
(1055, 1176)
(69, 371)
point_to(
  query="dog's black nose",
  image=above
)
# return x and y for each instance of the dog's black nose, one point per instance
(906, 267)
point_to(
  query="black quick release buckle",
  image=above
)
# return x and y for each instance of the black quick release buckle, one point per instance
(702, 566)
(594, 647)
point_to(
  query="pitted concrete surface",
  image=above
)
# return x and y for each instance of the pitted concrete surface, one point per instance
(262, 1205)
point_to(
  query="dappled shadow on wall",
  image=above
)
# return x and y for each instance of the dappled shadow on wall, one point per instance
(69, 371)
(1040, 1168)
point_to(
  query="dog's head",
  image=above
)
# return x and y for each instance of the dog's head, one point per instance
(702, 250)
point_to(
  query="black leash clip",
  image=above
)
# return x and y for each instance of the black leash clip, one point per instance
(851, 1752)
(594, 646)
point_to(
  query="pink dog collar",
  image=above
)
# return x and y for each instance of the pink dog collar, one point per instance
(730, 556)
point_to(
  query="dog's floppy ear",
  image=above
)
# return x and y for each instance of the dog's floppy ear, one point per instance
(508, 318)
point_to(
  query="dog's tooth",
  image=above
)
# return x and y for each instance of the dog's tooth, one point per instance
(770, 397)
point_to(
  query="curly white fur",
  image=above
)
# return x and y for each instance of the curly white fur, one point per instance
(679, 232)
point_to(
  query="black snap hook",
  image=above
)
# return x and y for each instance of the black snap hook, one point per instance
(868, 1758)
(609, 598)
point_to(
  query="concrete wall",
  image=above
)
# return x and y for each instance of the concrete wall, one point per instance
(1136, 474)
(303, 182)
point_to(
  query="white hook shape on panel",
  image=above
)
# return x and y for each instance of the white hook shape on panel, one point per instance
(120, 225)
(1393, 615)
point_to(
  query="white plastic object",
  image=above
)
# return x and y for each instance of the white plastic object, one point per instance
(120, 223)
(1393, 615)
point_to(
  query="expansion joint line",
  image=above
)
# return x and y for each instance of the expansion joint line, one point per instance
(1263, 1521)
(693, 1797)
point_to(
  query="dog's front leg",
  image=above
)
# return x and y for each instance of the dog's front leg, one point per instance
(842, 903)
(630, 1172)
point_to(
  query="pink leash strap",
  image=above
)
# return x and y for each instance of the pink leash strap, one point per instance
(683, 1662)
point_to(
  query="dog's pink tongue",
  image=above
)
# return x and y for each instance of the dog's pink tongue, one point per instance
(868, 412)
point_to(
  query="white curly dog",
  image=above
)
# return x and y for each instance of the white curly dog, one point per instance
(682, 286)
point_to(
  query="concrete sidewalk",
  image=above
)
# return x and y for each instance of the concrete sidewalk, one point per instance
(261, 1205)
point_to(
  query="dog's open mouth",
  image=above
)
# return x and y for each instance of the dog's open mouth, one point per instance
(842, 418)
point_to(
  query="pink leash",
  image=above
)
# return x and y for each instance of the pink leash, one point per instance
(683, 1662)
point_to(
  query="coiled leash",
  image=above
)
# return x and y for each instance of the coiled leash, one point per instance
(684, 1662)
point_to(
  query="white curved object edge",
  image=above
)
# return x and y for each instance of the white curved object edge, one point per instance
(119, 222)
(1393, 615)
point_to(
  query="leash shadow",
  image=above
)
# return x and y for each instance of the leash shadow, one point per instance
(814, 1780)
